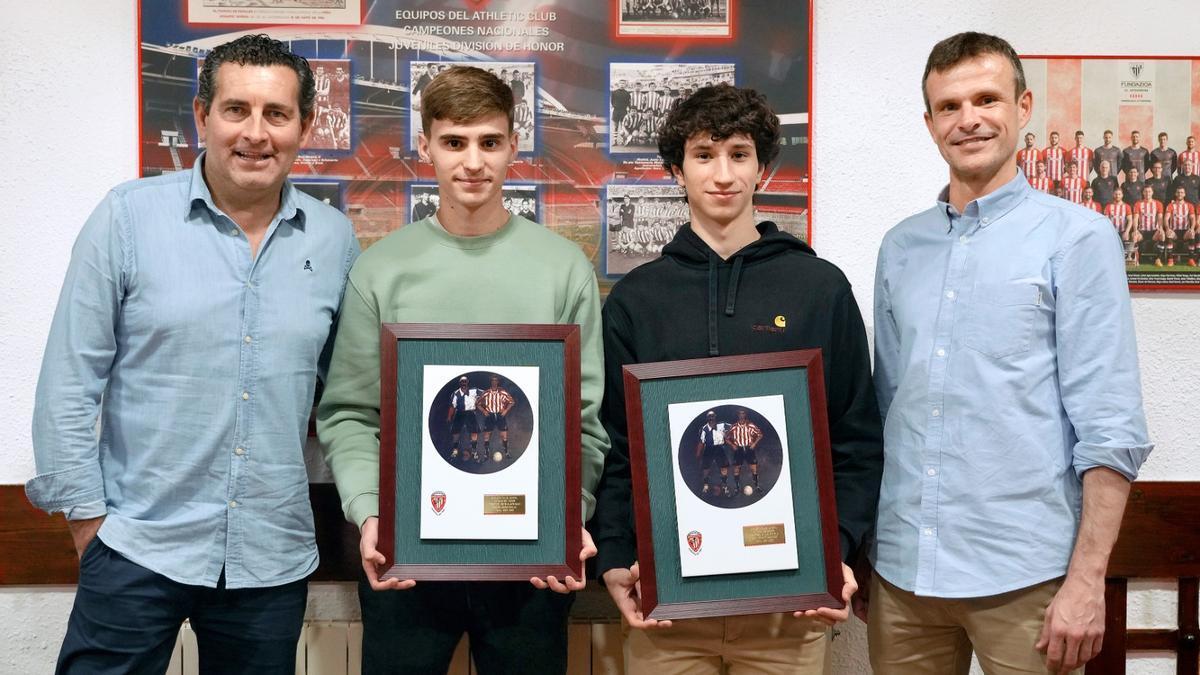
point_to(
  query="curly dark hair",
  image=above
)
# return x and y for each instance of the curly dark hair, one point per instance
(721, 111)
(256, 50)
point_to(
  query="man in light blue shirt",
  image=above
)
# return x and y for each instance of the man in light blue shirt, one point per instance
(1006, 369)
(196, 308)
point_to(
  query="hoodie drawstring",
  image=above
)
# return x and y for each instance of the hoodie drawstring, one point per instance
(731, 295)
(713, 348)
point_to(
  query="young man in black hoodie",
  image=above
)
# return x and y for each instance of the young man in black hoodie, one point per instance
(720, 288)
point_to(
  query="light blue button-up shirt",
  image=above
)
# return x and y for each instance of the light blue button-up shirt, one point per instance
(1006, 367)
(205, 359)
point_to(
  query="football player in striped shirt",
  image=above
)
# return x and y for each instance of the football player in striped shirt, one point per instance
(1168, 157)
(1108, 153)
(462, 415)
(1081, 155)
(1148, 221)
(1121, 216)
(1055, 157)
(1105, 185)
(1073, 185)
(1089, 203)
(1179, 222)
(1191, 154)
(743, 437)
(1189, 181)
(1135, 156)
(495, 406)
(1028, 156)
(522, 119)
(710, 450)
(1040, 180)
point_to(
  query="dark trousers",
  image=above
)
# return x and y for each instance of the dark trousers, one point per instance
(513, 628)
(126, 618)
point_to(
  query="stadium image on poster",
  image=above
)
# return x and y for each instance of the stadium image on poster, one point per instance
(330, 193)
(331, 121)
(733, 494)
(520, 77)
(639, 221)
(519, 200)
(1118, 135)
(327, 12)
(640, 94)
(674, 18)
(479, 452)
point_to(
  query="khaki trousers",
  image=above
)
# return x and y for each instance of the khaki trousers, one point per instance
(914, 635)
(762, 644)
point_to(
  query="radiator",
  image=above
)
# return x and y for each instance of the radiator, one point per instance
(335, 648)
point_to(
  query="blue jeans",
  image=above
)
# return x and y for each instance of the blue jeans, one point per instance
(126, 618)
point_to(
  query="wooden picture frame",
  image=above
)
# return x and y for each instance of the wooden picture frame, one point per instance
(801, 374)
(555, 348)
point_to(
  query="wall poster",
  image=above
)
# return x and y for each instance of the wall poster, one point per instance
(588, 70)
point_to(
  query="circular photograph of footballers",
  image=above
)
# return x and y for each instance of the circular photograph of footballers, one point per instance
(730, 456)
(480, 422)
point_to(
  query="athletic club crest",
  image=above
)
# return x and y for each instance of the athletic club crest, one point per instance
(695, 541)
(438, 501)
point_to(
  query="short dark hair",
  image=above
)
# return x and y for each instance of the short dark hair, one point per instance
(464, 94)
(958, 48)
(720, 110)
(256, 50)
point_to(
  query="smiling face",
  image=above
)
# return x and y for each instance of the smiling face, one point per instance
(719, 178)
(253, 131)
(470, 159)
(975, 117)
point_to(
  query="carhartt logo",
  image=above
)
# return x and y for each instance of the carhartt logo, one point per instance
(1135, 69)
(781, 321)
(775, 325)
(308, 265)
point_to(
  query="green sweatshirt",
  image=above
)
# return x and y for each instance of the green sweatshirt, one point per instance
(522, 273)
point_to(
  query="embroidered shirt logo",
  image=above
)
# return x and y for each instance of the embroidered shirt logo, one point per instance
(781, 321)
(777, 325)
(308, 265)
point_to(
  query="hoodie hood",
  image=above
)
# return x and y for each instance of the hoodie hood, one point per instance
(689, 250)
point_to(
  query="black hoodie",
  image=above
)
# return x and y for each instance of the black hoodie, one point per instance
(690, 303)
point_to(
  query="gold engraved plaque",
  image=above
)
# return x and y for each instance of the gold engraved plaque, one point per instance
(505, 505)
(762, 535)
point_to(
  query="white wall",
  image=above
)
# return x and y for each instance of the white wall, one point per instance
(61, 104)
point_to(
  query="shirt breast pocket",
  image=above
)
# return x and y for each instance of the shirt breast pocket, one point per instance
(1000, 322)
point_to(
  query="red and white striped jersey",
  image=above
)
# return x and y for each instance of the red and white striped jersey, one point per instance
(1056, 162)
(1119, 213)
(1192, 156)
(1027, 159)
(1148, 211)
(1179, 215)
(1093, 205)
(1044, 184)
(744, 433)
(1073, 189)
(1082, 157)
(496, 399)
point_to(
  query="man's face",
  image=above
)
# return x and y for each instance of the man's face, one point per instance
(719, 177)
(1029, 139)
(1074, 171)
(1147, 193)
(1054, 139)
(1105, 168)
(1108, 138)
(1134, 174)
(974, 116)
(495, 382)
(1041, 169)
(1079, 140)
(1157, 169)
(1179, 194)
(470, 159)
(1087, 194)
(462, 383)
(1162, 141)
(1135, 138)
(1118, 195)
(1191, 143)
(741, 415)
(253, 131)
(712, 419)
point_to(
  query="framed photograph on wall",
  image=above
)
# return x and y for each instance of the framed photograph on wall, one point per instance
(733, 485)
(1101, 124)
(480, 451)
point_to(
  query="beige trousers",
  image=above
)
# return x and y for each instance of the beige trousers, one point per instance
(762, 644)
(913, 635)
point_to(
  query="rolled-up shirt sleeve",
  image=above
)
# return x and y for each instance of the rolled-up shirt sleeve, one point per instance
(1097, 354)
(75, 368)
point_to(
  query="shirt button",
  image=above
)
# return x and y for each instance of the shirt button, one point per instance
(963, 239)
(928, 531)
(233, 232)
(931, 472)
(941, 352)
(239, 451)
(246, 339)
(986, 221)
(950, 294)
(233, 504)
(937, 412)
(245, 396)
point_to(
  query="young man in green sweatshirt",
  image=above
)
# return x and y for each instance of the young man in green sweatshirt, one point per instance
(470, 262)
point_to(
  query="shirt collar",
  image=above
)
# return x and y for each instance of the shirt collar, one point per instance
(992, 206)
(198, 193)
